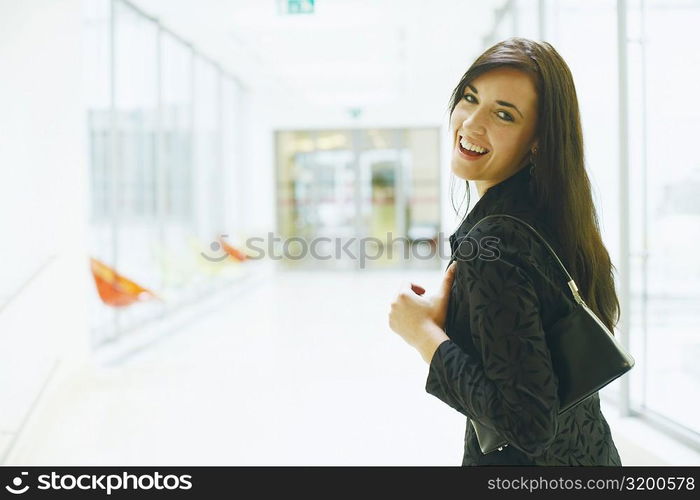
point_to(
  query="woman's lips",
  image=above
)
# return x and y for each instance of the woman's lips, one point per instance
(470, 155)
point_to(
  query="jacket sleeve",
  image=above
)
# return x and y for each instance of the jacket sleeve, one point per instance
(510, 386)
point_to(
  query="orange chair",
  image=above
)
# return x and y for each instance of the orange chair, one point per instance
(114, 289)
(234, 252)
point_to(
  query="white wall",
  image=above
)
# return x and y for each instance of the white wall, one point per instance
(42, 201)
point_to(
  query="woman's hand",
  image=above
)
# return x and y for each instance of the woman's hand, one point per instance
(421, 320)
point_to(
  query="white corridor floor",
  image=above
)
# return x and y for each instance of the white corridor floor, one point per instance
(302, 370)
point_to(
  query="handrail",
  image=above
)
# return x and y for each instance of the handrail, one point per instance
(18, 291)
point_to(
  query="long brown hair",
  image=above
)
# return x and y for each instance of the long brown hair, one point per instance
(562, 189)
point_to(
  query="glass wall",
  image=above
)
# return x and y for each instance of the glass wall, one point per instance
(133, 215)
(176, 160)
(661, 223)
(161, 129)
(665, 208)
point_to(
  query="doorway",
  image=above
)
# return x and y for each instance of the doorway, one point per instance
(358, 199)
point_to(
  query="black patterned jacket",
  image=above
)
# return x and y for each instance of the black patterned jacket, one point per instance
(496, 367)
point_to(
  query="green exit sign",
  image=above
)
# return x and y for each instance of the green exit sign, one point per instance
(297, 6)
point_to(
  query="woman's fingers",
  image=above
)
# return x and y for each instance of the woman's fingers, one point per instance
(448, 278)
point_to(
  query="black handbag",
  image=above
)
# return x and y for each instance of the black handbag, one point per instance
(586, 356)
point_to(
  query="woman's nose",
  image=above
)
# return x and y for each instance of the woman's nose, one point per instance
(474, 123)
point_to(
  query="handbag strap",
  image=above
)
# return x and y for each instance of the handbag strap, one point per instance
(570, 280)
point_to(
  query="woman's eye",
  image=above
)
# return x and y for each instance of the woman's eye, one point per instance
(504, 115)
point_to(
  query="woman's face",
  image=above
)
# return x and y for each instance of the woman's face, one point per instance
(498, 113)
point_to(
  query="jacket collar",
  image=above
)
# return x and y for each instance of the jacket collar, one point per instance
(512, 195)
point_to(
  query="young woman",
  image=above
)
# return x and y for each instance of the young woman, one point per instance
(516, 134)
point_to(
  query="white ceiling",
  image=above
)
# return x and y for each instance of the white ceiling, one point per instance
(347, 54)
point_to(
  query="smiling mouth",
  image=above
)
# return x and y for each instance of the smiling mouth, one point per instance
(470, 153)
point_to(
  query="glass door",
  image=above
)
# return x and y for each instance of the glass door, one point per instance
(354, 199)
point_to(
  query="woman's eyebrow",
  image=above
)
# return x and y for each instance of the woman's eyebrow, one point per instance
(502, 103)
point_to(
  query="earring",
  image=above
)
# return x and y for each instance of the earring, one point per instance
(532, 161)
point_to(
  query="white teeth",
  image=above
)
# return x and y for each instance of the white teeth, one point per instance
(471, 147)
